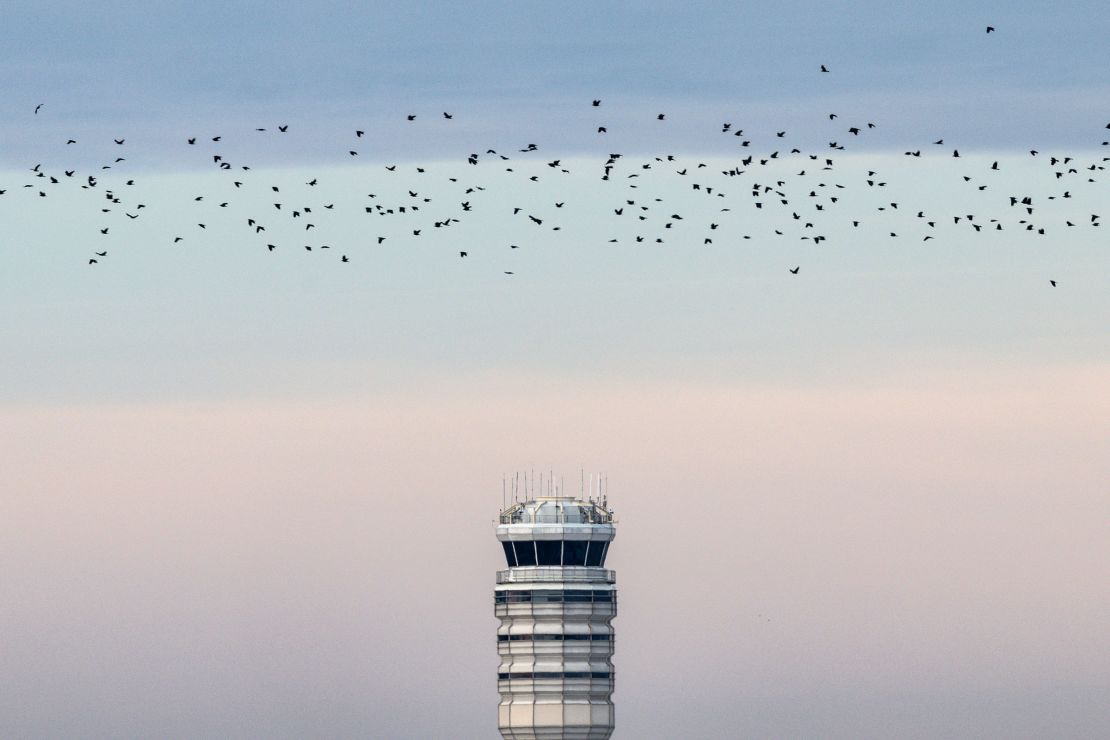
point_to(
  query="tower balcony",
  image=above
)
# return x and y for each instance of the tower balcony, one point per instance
(556, 574)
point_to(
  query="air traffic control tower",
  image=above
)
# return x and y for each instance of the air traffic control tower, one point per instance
(556, 603)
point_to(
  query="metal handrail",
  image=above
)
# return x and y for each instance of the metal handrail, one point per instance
(524, 517)
(566, 574)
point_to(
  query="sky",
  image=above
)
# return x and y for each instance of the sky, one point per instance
(251, 494)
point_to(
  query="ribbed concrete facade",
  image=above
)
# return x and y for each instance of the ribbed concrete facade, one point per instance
(556, 603)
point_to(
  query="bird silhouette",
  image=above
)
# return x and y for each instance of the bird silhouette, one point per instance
(800, 201)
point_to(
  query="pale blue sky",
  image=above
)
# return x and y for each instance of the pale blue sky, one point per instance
(211, 454)
(910, 64)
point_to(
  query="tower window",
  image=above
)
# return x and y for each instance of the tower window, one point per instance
(555, 675)
(550, 552)
(525, 553)
(574, 552)
(554, 638)
(556, 552)
(596, 555)
(554, 596)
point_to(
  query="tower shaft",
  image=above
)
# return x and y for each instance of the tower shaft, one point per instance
(555, 603)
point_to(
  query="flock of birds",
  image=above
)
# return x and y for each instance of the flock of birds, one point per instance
(806, 200)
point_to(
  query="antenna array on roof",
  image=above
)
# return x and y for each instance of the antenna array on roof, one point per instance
(523, 485)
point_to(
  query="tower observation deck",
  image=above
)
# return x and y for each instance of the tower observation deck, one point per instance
(556, 603)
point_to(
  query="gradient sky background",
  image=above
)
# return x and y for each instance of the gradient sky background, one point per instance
(251, 494)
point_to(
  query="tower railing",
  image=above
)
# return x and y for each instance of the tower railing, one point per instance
(549, 574)
(518, 515)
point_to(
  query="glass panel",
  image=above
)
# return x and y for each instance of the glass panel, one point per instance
(554, 596)
(604, 552)
(542, 675)
(574, 552)
(550, 638)
(550, 552)
(525, 553)
(593, 555)
(547, 596)
(509, 557)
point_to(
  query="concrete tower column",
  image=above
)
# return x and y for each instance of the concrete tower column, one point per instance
(556, 602)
